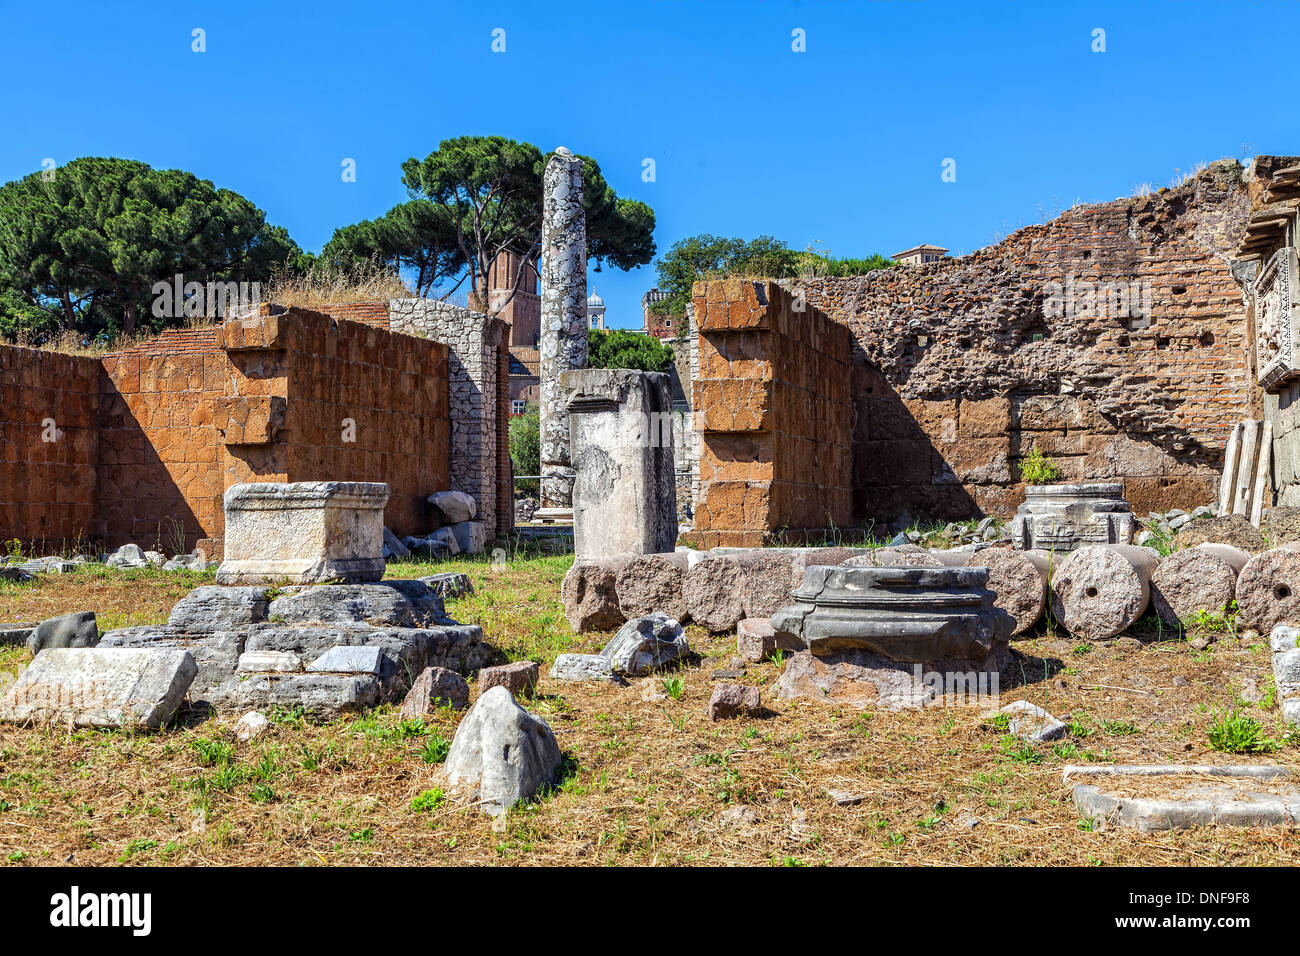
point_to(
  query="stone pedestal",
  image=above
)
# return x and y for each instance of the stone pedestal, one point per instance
(308, 532)
(1065, 517)
(563, 340)
(621, 436)
(899, 637)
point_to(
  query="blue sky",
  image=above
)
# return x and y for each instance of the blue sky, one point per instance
(842, 144)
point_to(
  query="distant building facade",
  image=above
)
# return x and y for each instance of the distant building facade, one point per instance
(596, 312)
(660, 326)
(523, 313)
(919, 255)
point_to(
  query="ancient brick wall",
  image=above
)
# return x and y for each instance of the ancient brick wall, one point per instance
(367, 402)
(1112, 337)
(160, 468)
(367, 313)
(150, 438)
(773, 414)
(48, 446)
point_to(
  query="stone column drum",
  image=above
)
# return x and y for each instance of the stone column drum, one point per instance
(1065, 517)
(563, 344)
(621, 436)
(306, 532)
(894, 636)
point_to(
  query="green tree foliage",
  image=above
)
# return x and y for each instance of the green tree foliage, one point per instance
(475, 197)
(86, 245)
(619, 348)
(418, 236)
(526, 446)
(708, 257)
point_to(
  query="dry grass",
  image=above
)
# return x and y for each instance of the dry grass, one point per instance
(69, 342)
(648, 781)
(367, 282)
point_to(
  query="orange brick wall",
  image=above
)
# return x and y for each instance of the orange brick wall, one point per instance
(393, 388)
(962, 366)
(367, 313)
(773, 413)
(160, 465)
(47, 488)
(154, 435)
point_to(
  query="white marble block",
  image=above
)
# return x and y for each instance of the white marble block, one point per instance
(307, 532)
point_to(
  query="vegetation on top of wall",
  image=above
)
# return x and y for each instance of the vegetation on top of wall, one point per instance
(619, 348)
(82, 246)
(322, 283)
(1037, 469)
(711, 257)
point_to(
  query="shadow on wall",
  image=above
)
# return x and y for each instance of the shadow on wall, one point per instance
(950, 459)
(140, 500)
(899, 475)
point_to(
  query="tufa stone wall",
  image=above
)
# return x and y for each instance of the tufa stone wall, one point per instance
(362, 404)
(48, 445)
(150, 438)
(773, 413)
(161, 472)
(479, 391)
(1112, 337)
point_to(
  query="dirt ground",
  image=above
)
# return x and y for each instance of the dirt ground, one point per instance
(648, 778)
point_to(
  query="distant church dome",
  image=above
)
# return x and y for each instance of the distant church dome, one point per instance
(594, 299)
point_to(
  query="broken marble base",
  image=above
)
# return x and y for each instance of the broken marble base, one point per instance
(100, 687)
(1150, 798)
(863, 678)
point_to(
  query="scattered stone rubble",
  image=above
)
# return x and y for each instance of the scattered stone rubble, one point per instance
(1169, 797)
(126, 558)
(1031, 722)
(501, 754)
(517, 677)
(1284, 640)
(641, 647)
(328, 649)
(77, 629)
(435, 687)
(140, 688)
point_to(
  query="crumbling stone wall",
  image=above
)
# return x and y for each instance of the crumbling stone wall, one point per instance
(773, 413)
(478, 377)
(960, 367)
(479, 385)
(48, 445)
(363, 404)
